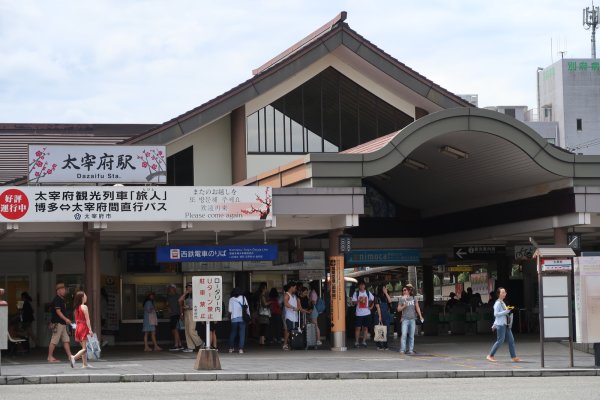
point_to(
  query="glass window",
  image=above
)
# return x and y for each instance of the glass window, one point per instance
(328, 113)
(579, 124)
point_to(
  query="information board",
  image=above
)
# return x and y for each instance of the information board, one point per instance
(207, 298)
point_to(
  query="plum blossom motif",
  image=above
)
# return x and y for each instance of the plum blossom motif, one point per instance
(154, 162)
(265, 209)
(39, 167)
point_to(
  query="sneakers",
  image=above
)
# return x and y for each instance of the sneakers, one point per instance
(230, 350)
(516, 359)
(176, 348)
(72, 359)
(356, 345)
(380, 349)
(401, 352)
(364, 344)
(241, 351)
(188, 350)
(319, 343)
(491, 358)
(411, 353)
(285, 347)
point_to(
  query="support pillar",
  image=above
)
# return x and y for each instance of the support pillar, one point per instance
(428, 284)
(560, 237)
(337, 292)
(92, 276)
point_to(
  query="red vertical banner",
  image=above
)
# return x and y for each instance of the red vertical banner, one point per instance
(338, 294)
(458, 287)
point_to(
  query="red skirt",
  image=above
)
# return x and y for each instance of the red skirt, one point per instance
(81, 332)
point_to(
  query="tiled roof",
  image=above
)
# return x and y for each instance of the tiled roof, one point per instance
(372, 145)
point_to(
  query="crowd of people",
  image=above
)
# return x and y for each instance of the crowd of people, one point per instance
(270, 316)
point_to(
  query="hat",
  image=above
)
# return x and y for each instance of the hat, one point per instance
(60, 286)
(408, 285)
(189, 284)
(452, 294)
(171, 286)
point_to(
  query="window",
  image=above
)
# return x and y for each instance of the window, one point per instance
(328, 113)
(180, 168)
(579, 124)
(510, 112)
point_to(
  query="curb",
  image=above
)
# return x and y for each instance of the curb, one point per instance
(259, 376)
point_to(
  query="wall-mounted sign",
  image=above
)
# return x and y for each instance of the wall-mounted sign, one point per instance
(215, 253)
(460, 268)
(524, 252)
(207, 298)
(97, 164)
(556, 265)
(478, 252)
(383, 257)
(135, 203)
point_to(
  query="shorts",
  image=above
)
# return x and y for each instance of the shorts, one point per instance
(59, 334)
(290, 325)
(173, 320)
(362, 321)
(314, 314)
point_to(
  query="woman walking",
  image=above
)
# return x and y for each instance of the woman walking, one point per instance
(314, 313)
(150, 322)
(409, 307)
(83, 327)
(27, 318)
(503, 325)
(237, 301)
(382, 304)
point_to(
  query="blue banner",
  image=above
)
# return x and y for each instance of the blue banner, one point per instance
(265, 252)
(383, 257)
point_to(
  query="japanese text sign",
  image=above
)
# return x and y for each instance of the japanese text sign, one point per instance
(216, 253)
(207, 298)
(97, 164)
(134, 203)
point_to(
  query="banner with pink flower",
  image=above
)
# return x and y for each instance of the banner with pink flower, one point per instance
(97, 164)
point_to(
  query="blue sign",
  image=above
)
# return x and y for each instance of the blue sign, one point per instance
(383, 257)
(263, 252)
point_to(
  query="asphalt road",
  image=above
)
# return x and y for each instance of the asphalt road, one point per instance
(580, 388)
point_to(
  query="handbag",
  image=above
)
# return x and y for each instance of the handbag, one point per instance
(93, 347)
(180, 324)
(380, 333)
(245, 316)
(264, 311)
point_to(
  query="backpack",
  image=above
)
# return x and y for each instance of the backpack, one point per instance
(245, 315)
(320, 305)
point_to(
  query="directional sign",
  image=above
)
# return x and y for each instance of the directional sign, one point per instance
(574, 241)
(478, 252)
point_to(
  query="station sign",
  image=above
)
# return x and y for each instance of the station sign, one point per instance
(383, 257)
(556, 265)
(165, 254)
(135, 203)
(97, 164)
(207, 298)
(478, 252)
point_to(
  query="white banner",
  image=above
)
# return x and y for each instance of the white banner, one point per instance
(207, 298)
(135, 203)
(97, 164)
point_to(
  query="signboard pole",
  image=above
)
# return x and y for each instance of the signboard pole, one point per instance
(208, 334)
(541, 308)
(338, 303)
(207, 300)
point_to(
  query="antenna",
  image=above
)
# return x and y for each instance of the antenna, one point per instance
(590, 20)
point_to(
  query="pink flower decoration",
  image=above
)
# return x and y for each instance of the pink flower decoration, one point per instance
(39, 163)
(54, 166)
(153, 167)
(160, 153)
(148, 154)
(38, 153)
(50, 171)
(37, 174)
(144, 164)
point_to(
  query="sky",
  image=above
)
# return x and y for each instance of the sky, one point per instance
(148, 61)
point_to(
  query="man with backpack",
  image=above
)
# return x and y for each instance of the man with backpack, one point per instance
(363, 300)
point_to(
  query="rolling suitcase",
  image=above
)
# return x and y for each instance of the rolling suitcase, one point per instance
(298, 337)
(311, 334)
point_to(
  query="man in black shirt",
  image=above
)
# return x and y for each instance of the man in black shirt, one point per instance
(59, 323)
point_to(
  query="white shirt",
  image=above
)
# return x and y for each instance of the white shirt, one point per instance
(292, 314)
(362, 303)
(235, 306)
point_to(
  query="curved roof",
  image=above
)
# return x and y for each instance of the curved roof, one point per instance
(506, 161)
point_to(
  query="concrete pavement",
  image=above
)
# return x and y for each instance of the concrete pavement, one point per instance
(437, 357)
